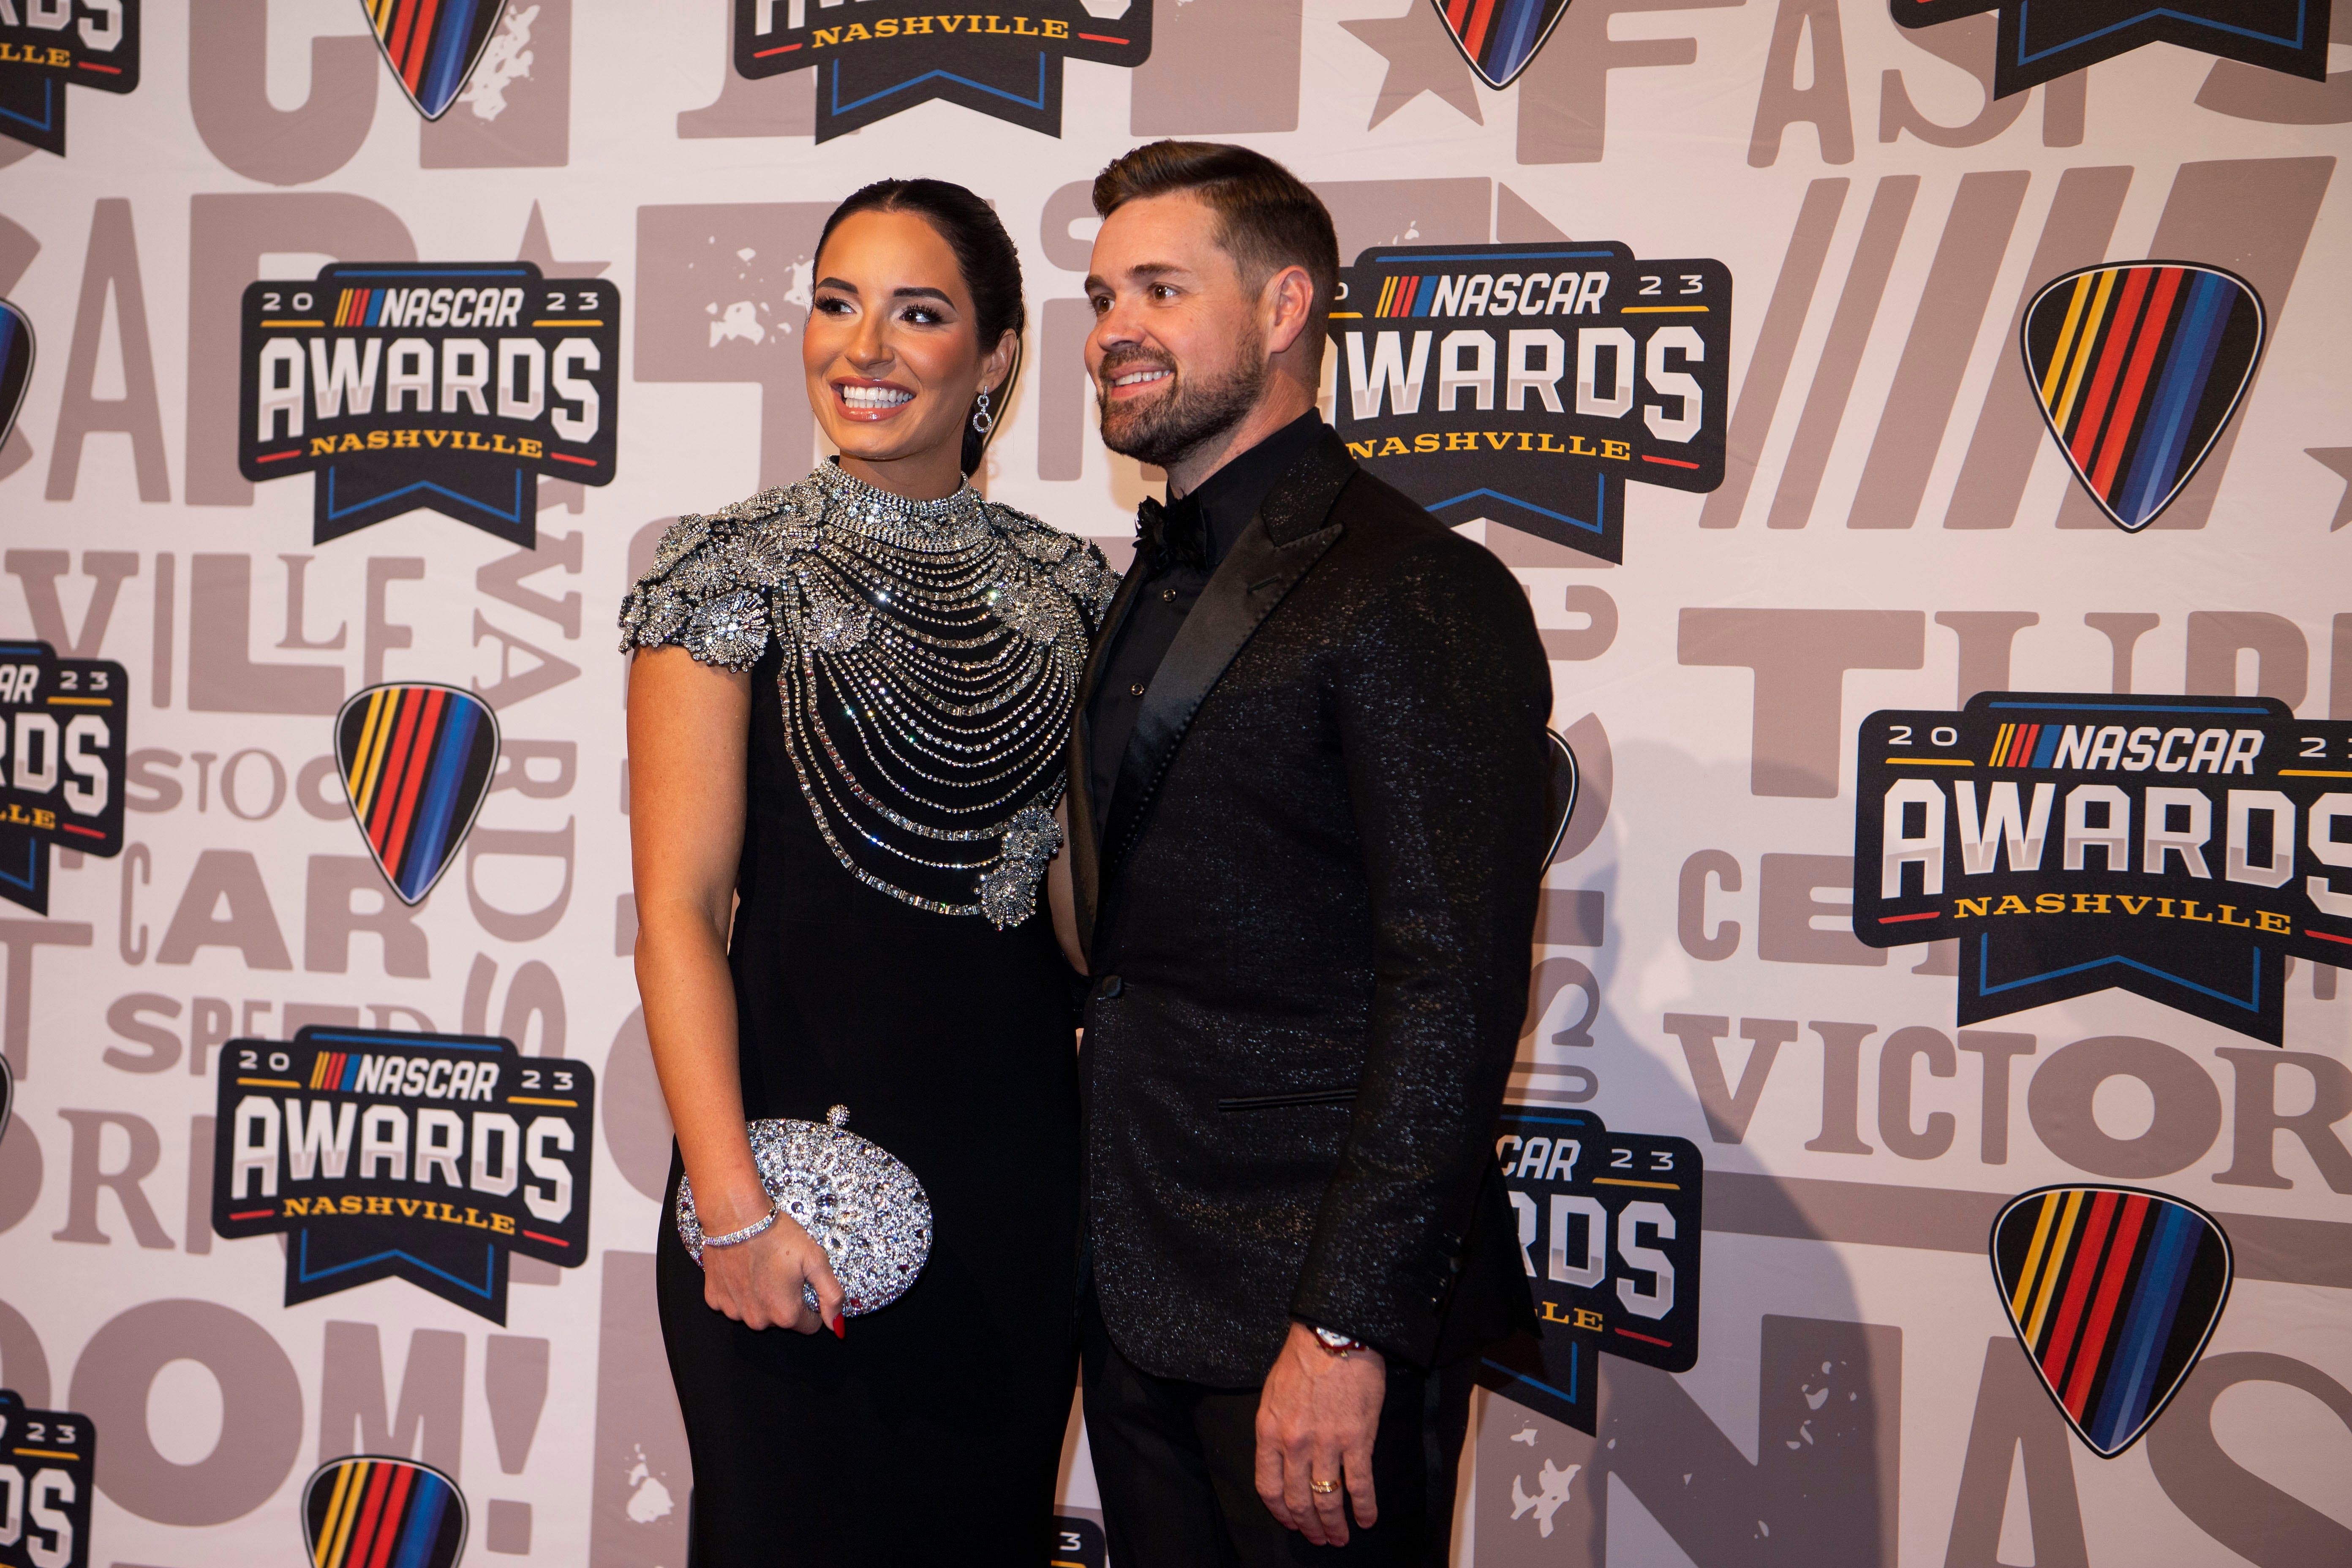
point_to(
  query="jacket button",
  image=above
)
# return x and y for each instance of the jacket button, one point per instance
(1109, 988)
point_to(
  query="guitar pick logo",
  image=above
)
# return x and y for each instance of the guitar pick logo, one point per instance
(2138, 368)
(433, 45)
(1559, 791)
(416, 760)
(15, 364)
(1498, 38)
(366, 1510)
(2112, 1292)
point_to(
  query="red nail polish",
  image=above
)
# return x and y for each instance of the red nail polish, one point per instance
(840, 1326)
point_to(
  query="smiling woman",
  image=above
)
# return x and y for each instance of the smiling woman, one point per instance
(847, 719)
(913, 335)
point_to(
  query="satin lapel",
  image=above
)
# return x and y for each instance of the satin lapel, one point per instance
(1086, 855)
(1293, 528)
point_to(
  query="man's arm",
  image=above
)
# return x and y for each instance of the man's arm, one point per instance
(1440, 722)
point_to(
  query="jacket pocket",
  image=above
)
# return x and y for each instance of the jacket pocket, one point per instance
(1284, 1101)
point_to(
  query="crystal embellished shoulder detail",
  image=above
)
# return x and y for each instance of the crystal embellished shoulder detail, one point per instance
(931, 652)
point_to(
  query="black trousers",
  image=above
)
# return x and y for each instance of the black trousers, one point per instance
(1177, 1465)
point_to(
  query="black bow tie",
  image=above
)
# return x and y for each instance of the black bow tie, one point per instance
(1171, 535)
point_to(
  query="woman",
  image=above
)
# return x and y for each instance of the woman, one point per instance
(847, 716)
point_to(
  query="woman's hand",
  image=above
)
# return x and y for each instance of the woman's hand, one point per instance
(758, 1282)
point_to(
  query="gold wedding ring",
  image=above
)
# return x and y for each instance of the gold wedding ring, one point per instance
(1323, 1488)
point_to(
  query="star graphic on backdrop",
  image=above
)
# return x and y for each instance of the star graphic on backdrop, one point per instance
(542, 254)
(2340, 459)
(1421, 58)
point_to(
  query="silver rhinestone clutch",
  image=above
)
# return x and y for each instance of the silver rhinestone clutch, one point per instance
(854, 1198)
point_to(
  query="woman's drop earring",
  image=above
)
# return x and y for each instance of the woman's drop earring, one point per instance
(982, 419)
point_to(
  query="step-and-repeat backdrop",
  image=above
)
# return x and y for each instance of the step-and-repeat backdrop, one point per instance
(1921, 430)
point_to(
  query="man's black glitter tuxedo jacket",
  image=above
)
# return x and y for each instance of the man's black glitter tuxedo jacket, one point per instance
(1310, 921)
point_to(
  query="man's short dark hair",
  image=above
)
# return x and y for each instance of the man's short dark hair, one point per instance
(1266, 218)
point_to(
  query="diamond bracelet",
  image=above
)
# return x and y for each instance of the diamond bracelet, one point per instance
(737, 1238)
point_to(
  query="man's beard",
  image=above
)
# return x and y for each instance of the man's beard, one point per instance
(1173, 426)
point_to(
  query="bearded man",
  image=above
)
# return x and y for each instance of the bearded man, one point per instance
(1307, 829)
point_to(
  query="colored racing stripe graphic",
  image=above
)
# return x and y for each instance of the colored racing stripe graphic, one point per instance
(2138, 368)
(335, 1070)
(383, 1513)
(2013, 745)
(1406, 294)
(360, 307)
(417, 762)
(2112, 1293)
(432, 45)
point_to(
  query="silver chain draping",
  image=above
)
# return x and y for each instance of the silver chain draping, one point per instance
(952, 665)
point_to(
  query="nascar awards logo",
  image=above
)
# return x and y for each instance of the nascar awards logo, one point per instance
(1528, 383)
(2051, 39)
(369, 1509)
(1499, 39)
(384, 1154)
(2114, 1293)
(415, 760)
(1608, 1235)
(451, 387)
(432, 47)
(47, 1460)
(886, 55)
(48, 45)
(2138, 368)
(62, 736)
(2181, 847)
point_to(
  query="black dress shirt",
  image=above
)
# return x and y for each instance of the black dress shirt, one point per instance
(1224, 503)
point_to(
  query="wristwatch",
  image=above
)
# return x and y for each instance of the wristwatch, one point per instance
(1338, 1344)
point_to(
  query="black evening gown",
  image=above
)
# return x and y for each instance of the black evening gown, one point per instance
(932, 1433)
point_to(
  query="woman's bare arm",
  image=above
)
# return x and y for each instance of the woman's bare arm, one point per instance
(1058, 896)
(689, 736)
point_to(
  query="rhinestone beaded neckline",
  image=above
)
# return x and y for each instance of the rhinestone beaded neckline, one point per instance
(931, 652)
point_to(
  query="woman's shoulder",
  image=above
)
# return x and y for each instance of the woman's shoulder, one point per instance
(1074, 564)
(705, 590)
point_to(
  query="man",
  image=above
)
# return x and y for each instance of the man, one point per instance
(1305, 811)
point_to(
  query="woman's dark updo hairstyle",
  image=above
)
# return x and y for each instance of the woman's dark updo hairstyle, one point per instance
(984, 254)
